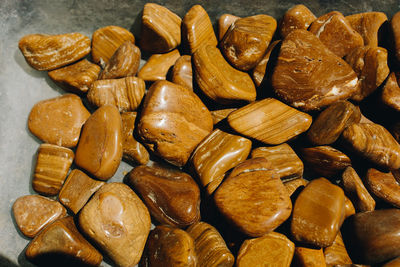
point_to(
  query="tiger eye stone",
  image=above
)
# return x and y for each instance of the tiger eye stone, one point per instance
(308, 257)
(391, 92)
(216, 154)
(157, 66)
(384, 186)
(297, 17)
(253, 198)
(260, 69)
(336, 254)
(224, 22)
(182, 72)
(368, 25)
(220, 114)
(395, 27)
(171, 196)
(270, 249)
(318, 213)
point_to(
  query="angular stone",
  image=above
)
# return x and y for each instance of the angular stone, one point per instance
(118, 222)
(210, 247)
(182, 72)
(384, 186)
(391, 92)
(368, 25)
(61, 244)
(216, 154)
(224, 22)
(297, 17)
(308, 257)
(318, 213)
(308, 75)
(171, 196)
(260, 69)
(76, 78)
(33, 213)
(100, 147)
(247, 40)
(220, 114)
(218, 80)
(395, 27)
(58, 120)
(52, 166)
(283, 159)
(336, 254)
(271, 249)
(77, 190)
(292, 185)
(269, 121)
(157, 66)
(174, 128)
(375, 143)
(161, 29)
(253, 198)
(49, 52)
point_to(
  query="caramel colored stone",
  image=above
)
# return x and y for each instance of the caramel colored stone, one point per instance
(220, 114)
(331, 122)
(395, 29)
(297, 17)
(168, 246)
(273, 249)
(106, 40)
(370, 64)
(260, 69)
(349, 207)
(336, 254)
(123, 63)
(76, 78)
(253, 198)
(393, 263)
(171, 196)
(133, 151)
(318, 213)
(384, 186)
(174, 128)
(373, 142)
(217, 154)
(356, 191)
(308, 75)
(308, 257)
(368, 25)
(161, 29)
(336, 33)
(48, 52)
(125, 93)
(292, 185)
(182, 72)
(283, 159)
(224, 22)
(61, 244)
(210, 247)
(269, 121)
(197, 29)
(156, 68)
(100, 147)
(118, 222)
(33, 213)
(391, 92)
(77, 190)
(52, 166)
(247, 40)
(218, 80)
(58, 120)
(325, 160)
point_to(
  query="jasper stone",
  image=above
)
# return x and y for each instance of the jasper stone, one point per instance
(393, 263)
(182, 72)
(391, 92)
(318, 213)
(173, 121)
(269, 121)
(171, 196)
(118, 222)
(384, 186)
(168, 246)
(292, 185)
(157, 66)
(220, 114)
(216, 154)
(253, 198)
(262, 68)
(348, 207)
(336, 254)
(61, 244)
(297, 17)
(273, 249)
(368, 24)
(100, 147)
(33, 213)
(395, 27)
(58, 120)
(375, 143)
(308, 75)
(224, 22)
(308, 257)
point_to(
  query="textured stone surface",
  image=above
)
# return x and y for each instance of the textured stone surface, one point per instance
(336, 254)
(384, 186)
(368, 25)
(391, 92)
(182, 73)
(308, 257)
(224, 22)
(157, 66)
(297, 17)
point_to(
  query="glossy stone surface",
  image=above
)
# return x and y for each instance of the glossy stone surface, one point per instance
(182, 72)
(292, 185)
(157, 66)
(270, 249)
(32, 213)
(395, 27)
(348, 207)
(269, 121)
(368, 25)
(171, 196)
(58, 120)
(308, 257)
(297, 17)
(260, 69)
(220, 114)
(336, 254)
(118, 222)
(391, 92)
(173, 129)
(393, 263)
(100, 147)
(224, 22)
(318, 213)
(384, 186)
(216, 154)
(253, 198)
(303, 58)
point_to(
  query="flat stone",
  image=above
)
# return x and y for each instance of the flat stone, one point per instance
(384, 186)
(368, 25)
(157, 66)
(308, 257)
(297, 17)
(336, 254)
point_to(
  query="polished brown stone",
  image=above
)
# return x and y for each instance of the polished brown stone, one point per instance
(182, 72)
(157, 66)
(253, 198)
(348, 207)
(336, 254)
(384, 186)
(220, 114)
(171, 196)
(391, 92)
(292, 185)
(260, 69)
(368, 25)
(308, 257)
(224, 22)
(297, 17)
(393, 263)
(308, 75)
(395, 27)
